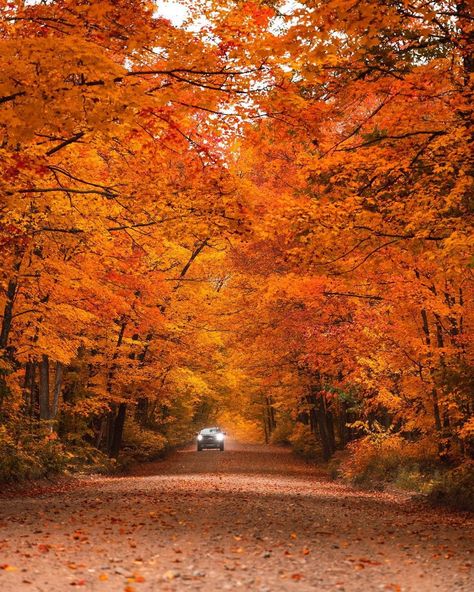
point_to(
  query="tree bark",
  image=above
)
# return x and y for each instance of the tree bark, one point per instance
(434, 392)
(44, 388)
(28, 388)
(6, 326)
(57, 389)
(324, 431)
(8, 312)
(141, 411)
(117, 432)
(107, 426)
(342, 427)
(34, 394)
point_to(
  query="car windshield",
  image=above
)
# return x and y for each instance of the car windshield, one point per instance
(210, 431)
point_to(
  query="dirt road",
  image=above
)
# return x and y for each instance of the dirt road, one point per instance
(250, 518)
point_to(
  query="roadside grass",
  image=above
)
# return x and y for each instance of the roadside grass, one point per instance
(384, 460)
(393, 462)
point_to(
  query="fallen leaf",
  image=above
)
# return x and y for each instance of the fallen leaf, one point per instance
(170, 575)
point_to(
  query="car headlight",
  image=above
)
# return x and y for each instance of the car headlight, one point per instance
(219, 437)
(199, 437)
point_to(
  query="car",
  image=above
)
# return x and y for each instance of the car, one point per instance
(210, 438)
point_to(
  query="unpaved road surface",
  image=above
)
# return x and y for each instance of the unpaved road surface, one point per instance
(250, 518)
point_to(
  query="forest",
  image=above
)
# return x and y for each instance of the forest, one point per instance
(259, 217)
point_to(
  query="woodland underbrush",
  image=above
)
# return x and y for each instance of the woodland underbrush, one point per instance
(142, 445)
(39, 453)
(454, 487)
(302, 440)
(392, 461)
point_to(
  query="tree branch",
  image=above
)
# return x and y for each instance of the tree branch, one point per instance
(433, 133)
(352, 295)
(107, 194)
(12, 97)
(401, 236)
(74, 138)
(380, 247)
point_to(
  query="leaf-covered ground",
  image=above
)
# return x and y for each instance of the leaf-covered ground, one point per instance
(250, 518)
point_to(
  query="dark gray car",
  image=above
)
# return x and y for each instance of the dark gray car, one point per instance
(210, 438)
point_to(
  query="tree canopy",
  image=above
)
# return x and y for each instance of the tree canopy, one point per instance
(262, 215)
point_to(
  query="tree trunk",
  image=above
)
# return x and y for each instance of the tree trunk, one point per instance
(324, 431)
(117, 431)
(11, 292)
(330, 427)
(5, 332)
(57, 388)
(311, 414)
(107, 427)
(141, 411)
(102, 431)
(272, 413)
(8, 312)
(341, 423)
(27, 388)
(434, 392)
(34, 391)
(265, 426)
(44, 388)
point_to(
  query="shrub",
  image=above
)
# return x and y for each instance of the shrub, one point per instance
(304, 442)
(389, 458)
(376, 460)
(36, 455)
(84, 458)
(455, 487)
(141, 444)
(336, 462)
(282, 433)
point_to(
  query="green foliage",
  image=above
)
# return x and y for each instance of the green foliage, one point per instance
(141, 444)
(455, 487)
(385, 458)
(349, 395)
(39, 453)
(304, 442)
(283, 432)
(36, 455)
(85, 458)
(382, 457)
